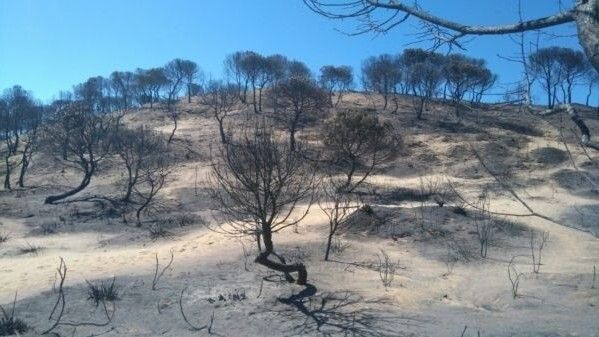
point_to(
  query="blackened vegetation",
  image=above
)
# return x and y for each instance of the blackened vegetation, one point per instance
(10, 324)
(81, 140)
(102, 291)
(259, 184)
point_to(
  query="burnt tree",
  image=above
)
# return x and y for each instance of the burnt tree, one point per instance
(262, 187)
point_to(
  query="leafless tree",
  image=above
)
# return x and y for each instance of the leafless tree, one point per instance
(299, 99)
(82, 139)
(356, 143)
(259, 184)
(439, 30)
(221, 98)
(152, 178)
(338, 205)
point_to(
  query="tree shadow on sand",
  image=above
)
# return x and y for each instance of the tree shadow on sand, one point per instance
(339, 313)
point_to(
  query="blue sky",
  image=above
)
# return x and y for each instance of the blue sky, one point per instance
(50, 45)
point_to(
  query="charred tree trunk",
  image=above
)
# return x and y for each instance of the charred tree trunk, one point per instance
(221, 129)
(421, 108)
(8, 168)
(263, 259)
(89, 172)
(327, 252)
(170, 138)
(25, 160)
(132, 177)
(385, 99)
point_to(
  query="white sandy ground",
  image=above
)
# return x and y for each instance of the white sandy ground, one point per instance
(350, 299)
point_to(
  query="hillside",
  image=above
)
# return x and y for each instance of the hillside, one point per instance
(441, 285)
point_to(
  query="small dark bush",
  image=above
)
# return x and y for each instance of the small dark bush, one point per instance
(9, 324)
(49, 228)
(30, 249)
(406, 194)
(102, 292)
(187, 219)
(236, 295)
(460, 210)
(367, 209)
(157, 231)
(4, 237)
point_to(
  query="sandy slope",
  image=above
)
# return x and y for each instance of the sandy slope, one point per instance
(349, 299)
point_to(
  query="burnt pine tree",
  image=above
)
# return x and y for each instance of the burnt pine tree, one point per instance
(136, 148)
(336, 80)
(356, 143)
(299, 98)
(31, 121)
(81, 140)
(221, 98)
(259, 184)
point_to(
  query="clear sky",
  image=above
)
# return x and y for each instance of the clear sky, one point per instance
(50, 45)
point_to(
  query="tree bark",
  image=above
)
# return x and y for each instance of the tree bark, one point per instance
(587, 23)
